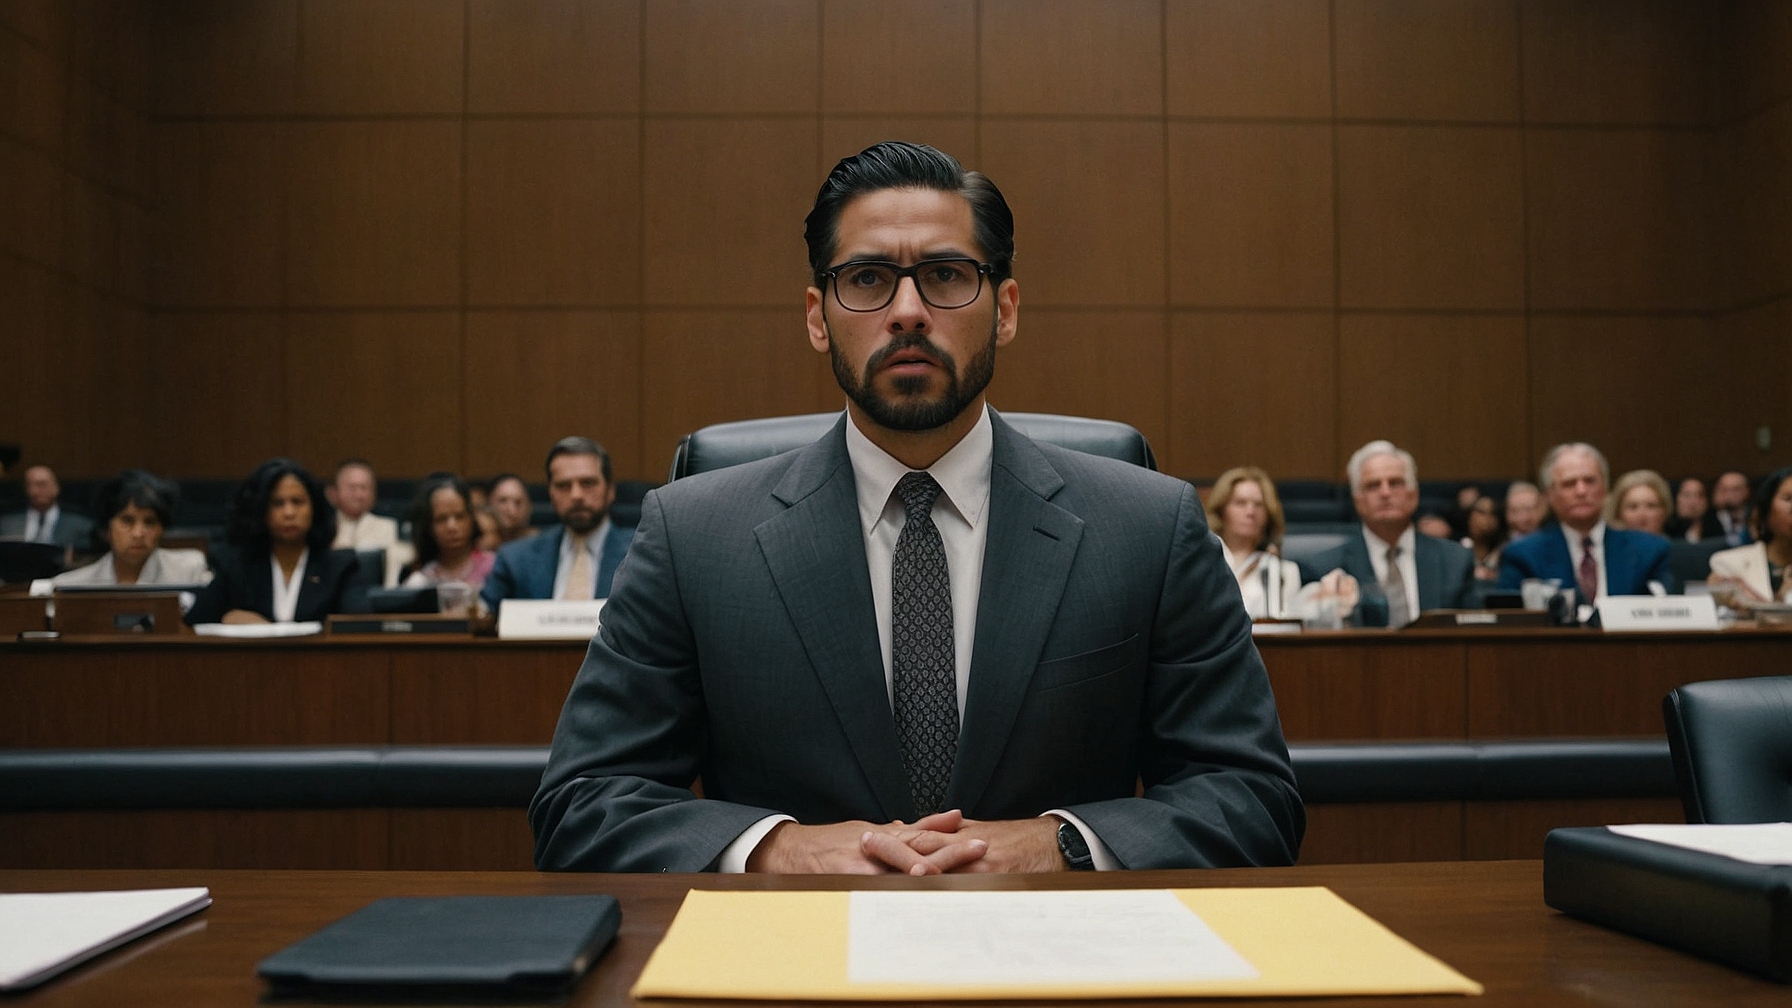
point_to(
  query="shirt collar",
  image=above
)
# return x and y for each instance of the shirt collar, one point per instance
(962, 473)
(1407, 541)
(1596, 533)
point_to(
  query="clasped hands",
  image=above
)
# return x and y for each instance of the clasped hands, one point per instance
(932, 845)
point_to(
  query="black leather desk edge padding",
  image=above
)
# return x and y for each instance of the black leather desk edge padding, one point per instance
(506, 776)
(1731, 911)
(719, 446)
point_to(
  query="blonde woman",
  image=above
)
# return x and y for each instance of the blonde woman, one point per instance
(1244, 511)
(1640, 502)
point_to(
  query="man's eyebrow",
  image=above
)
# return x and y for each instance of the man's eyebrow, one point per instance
(948, 252)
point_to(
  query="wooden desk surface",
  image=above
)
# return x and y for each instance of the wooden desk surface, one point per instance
(1486, 919)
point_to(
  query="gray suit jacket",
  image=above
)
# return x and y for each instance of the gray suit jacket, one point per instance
(740, 646)
(1446, 575)
(70, 529)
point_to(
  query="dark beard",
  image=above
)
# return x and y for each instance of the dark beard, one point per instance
(916, 415)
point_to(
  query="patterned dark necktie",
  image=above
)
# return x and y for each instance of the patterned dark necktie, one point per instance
(924, 676)
(1588, 575)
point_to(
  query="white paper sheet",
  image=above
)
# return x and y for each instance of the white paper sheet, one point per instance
(258, 631)
(42, 934)
(973, 938)
(1756, 843)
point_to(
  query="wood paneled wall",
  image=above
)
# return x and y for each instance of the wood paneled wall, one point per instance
(441, 233)
(74, 231)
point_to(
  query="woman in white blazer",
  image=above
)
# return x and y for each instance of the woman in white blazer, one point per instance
(1757, 572)
(1243, 509)
(130, 513)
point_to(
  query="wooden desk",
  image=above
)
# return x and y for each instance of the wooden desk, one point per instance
(1486, 920)
(1353, 685)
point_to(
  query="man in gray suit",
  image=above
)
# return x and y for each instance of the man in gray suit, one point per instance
(43, 519)
(925, 642)
(1401, 571)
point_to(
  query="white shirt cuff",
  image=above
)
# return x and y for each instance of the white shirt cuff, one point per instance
(734, 856)
(1104, 858)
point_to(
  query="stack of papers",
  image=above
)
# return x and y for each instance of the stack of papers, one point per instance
(42, 934)
(1756, 843)
(1141, 943)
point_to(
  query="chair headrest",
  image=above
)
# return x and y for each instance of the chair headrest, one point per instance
(722, 445)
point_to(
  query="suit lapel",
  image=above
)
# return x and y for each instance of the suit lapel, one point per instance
(1428, 562)
(1026, 564)
(313, 587)
(815, 551)
(260, 589)
(548, 566)
(1618, 575)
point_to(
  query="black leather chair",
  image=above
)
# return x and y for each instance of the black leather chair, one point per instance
(722, 445)
(1731, 740)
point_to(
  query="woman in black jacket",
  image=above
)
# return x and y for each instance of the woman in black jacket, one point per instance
(279, 567)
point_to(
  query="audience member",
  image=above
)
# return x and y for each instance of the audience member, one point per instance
(280, 567)
(352, 494)
(1457, 517)
(43, 519)
(1486, 537)
(489, 539)
(511, 506)
(578, 558)
(442, 530)
(1729, 502)
(1757, 571)
(132, 510)
(1638, 502)
(1693, 520)
(1525, 509)
(476, 493)
(1244, 510)
(1401, 572)
(1581, 551)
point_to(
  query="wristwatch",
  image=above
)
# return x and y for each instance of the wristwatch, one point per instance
(1074, 848)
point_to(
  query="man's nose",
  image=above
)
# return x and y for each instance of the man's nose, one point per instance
(908, 309)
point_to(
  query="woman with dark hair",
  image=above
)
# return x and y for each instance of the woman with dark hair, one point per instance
(445, 533)
(280, 568)
(1757, 572)
(130, 513)
(1486, 536)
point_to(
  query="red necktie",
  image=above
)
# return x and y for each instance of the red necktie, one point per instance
(1589, 571)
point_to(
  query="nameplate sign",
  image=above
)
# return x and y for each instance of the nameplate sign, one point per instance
(548, 619)
(1658, 612)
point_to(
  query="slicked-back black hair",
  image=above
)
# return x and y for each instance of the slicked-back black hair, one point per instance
(248, 528)
(575, 445)
(1763, 504)
(133, 486)
(895, 164)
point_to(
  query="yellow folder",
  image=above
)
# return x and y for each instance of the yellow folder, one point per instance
(1304, 942)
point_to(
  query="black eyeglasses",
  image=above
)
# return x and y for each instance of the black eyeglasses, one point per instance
(870, 285)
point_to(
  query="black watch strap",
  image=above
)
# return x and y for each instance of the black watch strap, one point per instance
(1074, 848)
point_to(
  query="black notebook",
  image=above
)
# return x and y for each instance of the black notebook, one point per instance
(507, 944)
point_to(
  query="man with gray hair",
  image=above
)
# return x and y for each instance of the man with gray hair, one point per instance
(1525, 509)
(1400, 571)
(1580, 551)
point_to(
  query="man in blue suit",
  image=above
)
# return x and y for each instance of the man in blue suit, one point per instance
(577, 558)
(1580, 551)
(1400, 571)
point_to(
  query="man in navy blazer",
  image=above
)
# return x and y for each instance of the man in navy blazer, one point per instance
(1580, 550)
(1422, 572)
(576, 559)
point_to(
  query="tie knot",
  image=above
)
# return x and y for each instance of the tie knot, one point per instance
(918, 491)
(1393, 553)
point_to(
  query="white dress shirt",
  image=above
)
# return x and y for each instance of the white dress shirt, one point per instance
(594, 546)
(1575, 549)
(1409, 567)
(959, 513)
(1255, 571)
(368, 532)
(286, 589)
(40, 526)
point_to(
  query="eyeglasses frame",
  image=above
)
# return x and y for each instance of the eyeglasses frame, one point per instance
(833, 273)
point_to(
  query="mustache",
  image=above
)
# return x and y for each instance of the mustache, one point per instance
(916, 341)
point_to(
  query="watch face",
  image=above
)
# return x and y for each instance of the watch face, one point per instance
(1074, 848)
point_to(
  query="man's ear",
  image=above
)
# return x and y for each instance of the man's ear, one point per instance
(1007, 311)
(817, 323)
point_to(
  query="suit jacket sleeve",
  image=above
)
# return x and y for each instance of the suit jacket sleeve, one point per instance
(1219, 786)
(1515, 566)
(501, 582)
(616, 795)
(1464, 593)
(219, 595)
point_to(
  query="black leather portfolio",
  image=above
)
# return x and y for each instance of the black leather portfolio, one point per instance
(498, 944)
(1713, 906)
